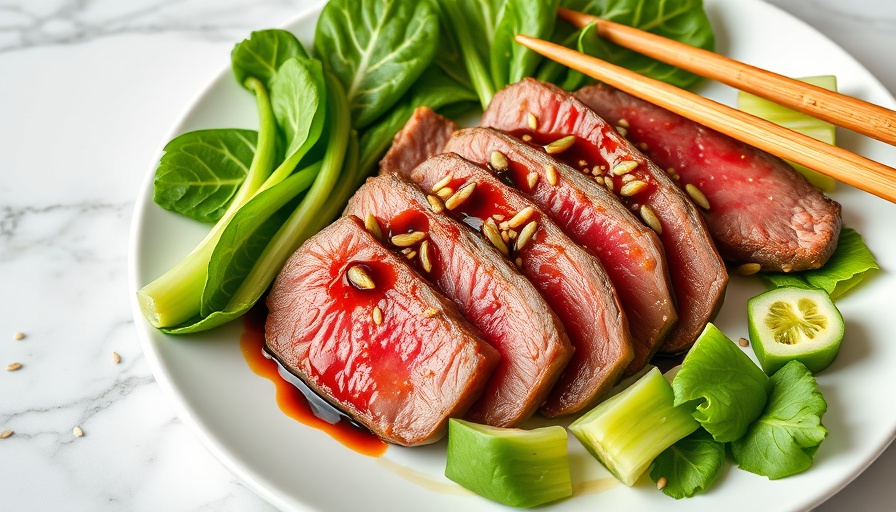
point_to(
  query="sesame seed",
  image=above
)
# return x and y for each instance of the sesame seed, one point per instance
(373, 226)
(19, 336)
(622, 131)
(521, 217)
(643, 146)
(431, 312)
(359, 277)
(408, 239)
(631, 188)
(532, 179)
(560, 145)
(435, 204)
(78, 432)
(13, 367)
(527, 138)
(504, 226)
(116, 358)
(498, 217)
(377, 315)
(552, 175)
(623, 123)
(445, 192)
(462, 195)
(608, 181)
(650, 218)
(743, 342)
(748, 269)
(499, 161)
(596, 171)
(697, 196)
(424, 256)
(6, 433)
(505, 236)
(533, 121)
(519, 262)
(624, 167)
(661, 483)
(442, 183)
(525, 235)
(583, 163)
(410, 255)
(628, 177)
(599, 180)
(512, 234)
(494, 236)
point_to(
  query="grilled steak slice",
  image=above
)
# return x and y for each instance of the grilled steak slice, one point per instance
(630, 252)
(423, 136)
(488, 290)
(400, 371)
(698, 275)
(757, 208)
(570, 279)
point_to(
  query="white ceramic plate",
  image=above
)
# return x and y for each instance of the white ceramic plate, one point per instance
(297, 467)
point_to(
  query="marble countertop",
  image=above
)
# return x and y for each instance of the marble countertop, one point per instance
(89, 90)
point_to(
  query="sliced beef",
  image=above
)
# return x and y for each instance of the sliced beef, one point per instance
(375, 350)
(488, 290)
(757, 208)
(630, 252)
(570, 280)
(423, 136)
(573, 133)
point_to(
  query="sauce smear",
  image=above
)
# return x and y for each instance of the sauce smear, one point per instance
(294, 398)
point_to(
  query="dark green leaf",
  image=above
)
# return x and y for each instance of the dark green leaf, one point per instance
(846, 268)
(201, 172)
(510, 62)
(377, 49)
(783, 441)
(247, 235)
(263, 53)
(690, 466)
(731, 388)
(682, 20)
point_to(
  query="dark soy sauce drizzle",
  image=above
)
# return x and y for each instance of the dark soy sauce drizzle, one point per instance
(295, 398)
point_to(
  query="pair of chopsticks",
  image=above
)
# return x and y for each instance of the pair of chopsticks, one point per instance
(845, 111)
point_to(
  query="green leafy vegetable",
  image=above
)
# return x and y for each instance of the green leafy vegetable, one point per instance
(690, 466)
(627, 431)
(847, 267)
(520, 468)
(783, 441)
(377, 49)
(201, 171)
(510, 62)
(263, 53)
(682, 20)
(730, 387)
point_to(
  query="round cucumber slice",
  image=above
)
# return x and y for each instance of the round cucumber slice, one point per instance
(794, 323)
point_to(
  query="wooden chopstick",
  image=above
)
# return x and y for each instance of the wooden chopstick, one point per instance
(852, 113)
(838, 163)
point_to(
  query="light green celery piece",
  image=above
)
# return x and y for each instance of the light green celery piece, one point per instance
(728, 386)
(847, 267)
(520, 468)
(797, 121)
(626, 432)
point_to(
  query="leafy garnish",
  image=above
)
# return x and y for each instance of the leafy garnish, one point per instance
(690, 466)
(783, 441)
(201, 171)
(263, 53)
(847, 267)
(377, 50)
(731, 388)
(682, 20)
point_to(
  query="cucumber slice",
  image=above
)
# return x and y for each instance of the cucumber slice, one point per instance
(794, 323)
(797, 121)
(626, 432)
(520, 468)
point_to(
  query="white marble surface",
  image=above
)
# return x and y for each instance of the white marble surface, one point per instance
(89, 90)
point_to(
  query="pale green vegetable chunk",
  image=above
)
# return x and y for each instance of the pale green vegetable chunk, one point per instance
(628, 431)
(797, 121)
(794, 323)
(520, 468)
